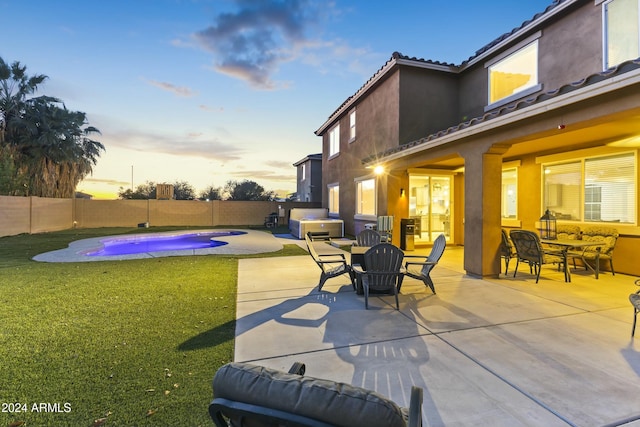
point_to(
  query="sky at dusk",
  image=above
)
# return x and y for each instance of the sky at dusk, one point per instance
(207, 91)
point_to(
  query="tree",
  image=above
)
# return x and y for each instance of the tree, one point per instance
(247, 190)
(142, 192)
(182, 190)
(211, 193)
(46, 149)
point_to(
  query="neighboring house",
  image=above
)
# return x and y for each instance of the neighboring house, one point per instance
(545, 116)
(309, 178)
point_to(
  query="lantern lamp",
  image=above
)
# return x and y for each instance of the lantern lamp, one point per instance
(548, 226)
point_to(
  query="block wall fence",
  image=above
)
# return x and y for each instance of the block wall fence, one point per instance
(20, 215)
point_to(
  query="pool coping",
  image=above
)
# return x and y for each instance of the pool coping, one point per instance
(250, 242)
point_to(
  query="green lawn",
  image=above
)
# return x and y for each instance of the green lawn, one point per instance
(117, 343)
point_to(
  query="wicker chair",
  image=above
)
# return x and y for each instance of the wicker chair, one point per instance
(568, 232)
(634, 299)
(529, 250)
(609, 236)
(507, 251)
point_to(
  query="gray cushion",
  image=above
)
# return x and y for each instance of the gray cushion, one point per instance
(328, 401)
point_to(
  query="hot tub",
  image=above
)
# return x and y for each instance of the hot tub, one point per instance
(302, 221)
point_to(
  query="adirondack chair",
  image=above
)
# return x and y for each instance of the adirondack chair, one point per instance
(331, 264)
(251, 395)
(368, 238)
(421, 270)
(383, 271)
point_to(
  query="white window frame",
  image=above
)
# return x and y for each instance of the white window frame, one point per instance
(334, 141)
(581, 163)
(511, 54)
(606, 63)
(333, 192)
(352, 125)
(368, 215)
(508, 167)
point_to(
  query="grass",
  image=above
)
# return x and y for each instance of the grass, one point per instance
(116, 343)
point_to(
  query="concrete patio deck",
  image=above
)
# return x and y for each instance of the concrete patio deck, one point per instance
(500, 352)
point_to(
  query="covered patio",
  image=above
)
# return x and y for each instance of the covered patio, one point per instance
(499, 352)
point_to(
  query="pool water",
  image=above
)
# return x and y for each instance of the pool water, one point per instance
(160, 243)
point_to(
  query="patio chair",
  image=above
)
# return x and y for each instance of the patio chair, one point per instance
(331, 264)
(634, 298)
(251, 395)
(421, 270)
(368, 238)
(609, 236)
(568, 232)
(507, 251)
(529, 250)
(384, 271)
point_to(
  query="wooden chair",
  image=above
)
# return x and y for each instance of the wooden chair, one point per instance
(383, 273)
(251, 395)
(609, 236)
(421, 270)
(331, 264)
(529, 250)
(368, 238)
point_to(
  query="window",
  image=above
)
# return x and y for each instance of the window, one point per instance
(303, 171)
(334, 198)
(514, 73)
(509, 206)
(366, 197)
(599, 189)
(352, 126)
(622, 35)
(334, 140)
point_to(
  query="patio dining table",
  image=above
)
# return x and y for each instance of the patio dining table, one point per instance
(564, 245)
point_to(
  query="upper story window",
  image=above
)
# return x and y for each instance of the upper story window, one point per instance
(352, 125)
(303, 171)
(621, 31)
(334, 140)
(334, 199)
(514, 72)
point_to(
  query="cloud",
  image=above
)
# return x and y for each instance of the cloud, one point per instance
(189, 145)
(264, 174)
(176, 90)
(106, 181)
(251, 43)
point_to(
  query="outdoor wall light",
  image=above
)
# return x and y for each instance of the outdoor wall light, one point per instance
(378, 170)
(402, 192)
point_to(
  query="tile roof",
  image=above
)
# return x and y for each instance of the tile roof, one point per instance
(516, 105)
(437, 64)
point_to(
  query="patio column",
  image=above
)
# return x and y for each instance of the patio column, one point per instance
(482, 219)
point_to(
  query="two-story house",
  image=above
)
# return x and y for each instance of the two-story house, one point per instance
(547, 116)
(309, 178)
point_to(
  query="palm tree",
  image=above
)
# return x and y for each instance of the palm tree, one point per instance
(46, 148)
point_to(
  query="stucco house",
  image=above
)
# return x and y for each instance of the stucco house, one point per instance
(547, 116)
(309, 178)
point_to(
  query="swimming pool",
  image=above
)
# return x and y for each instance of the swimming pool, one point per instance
(127, 245)
(233, 242)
